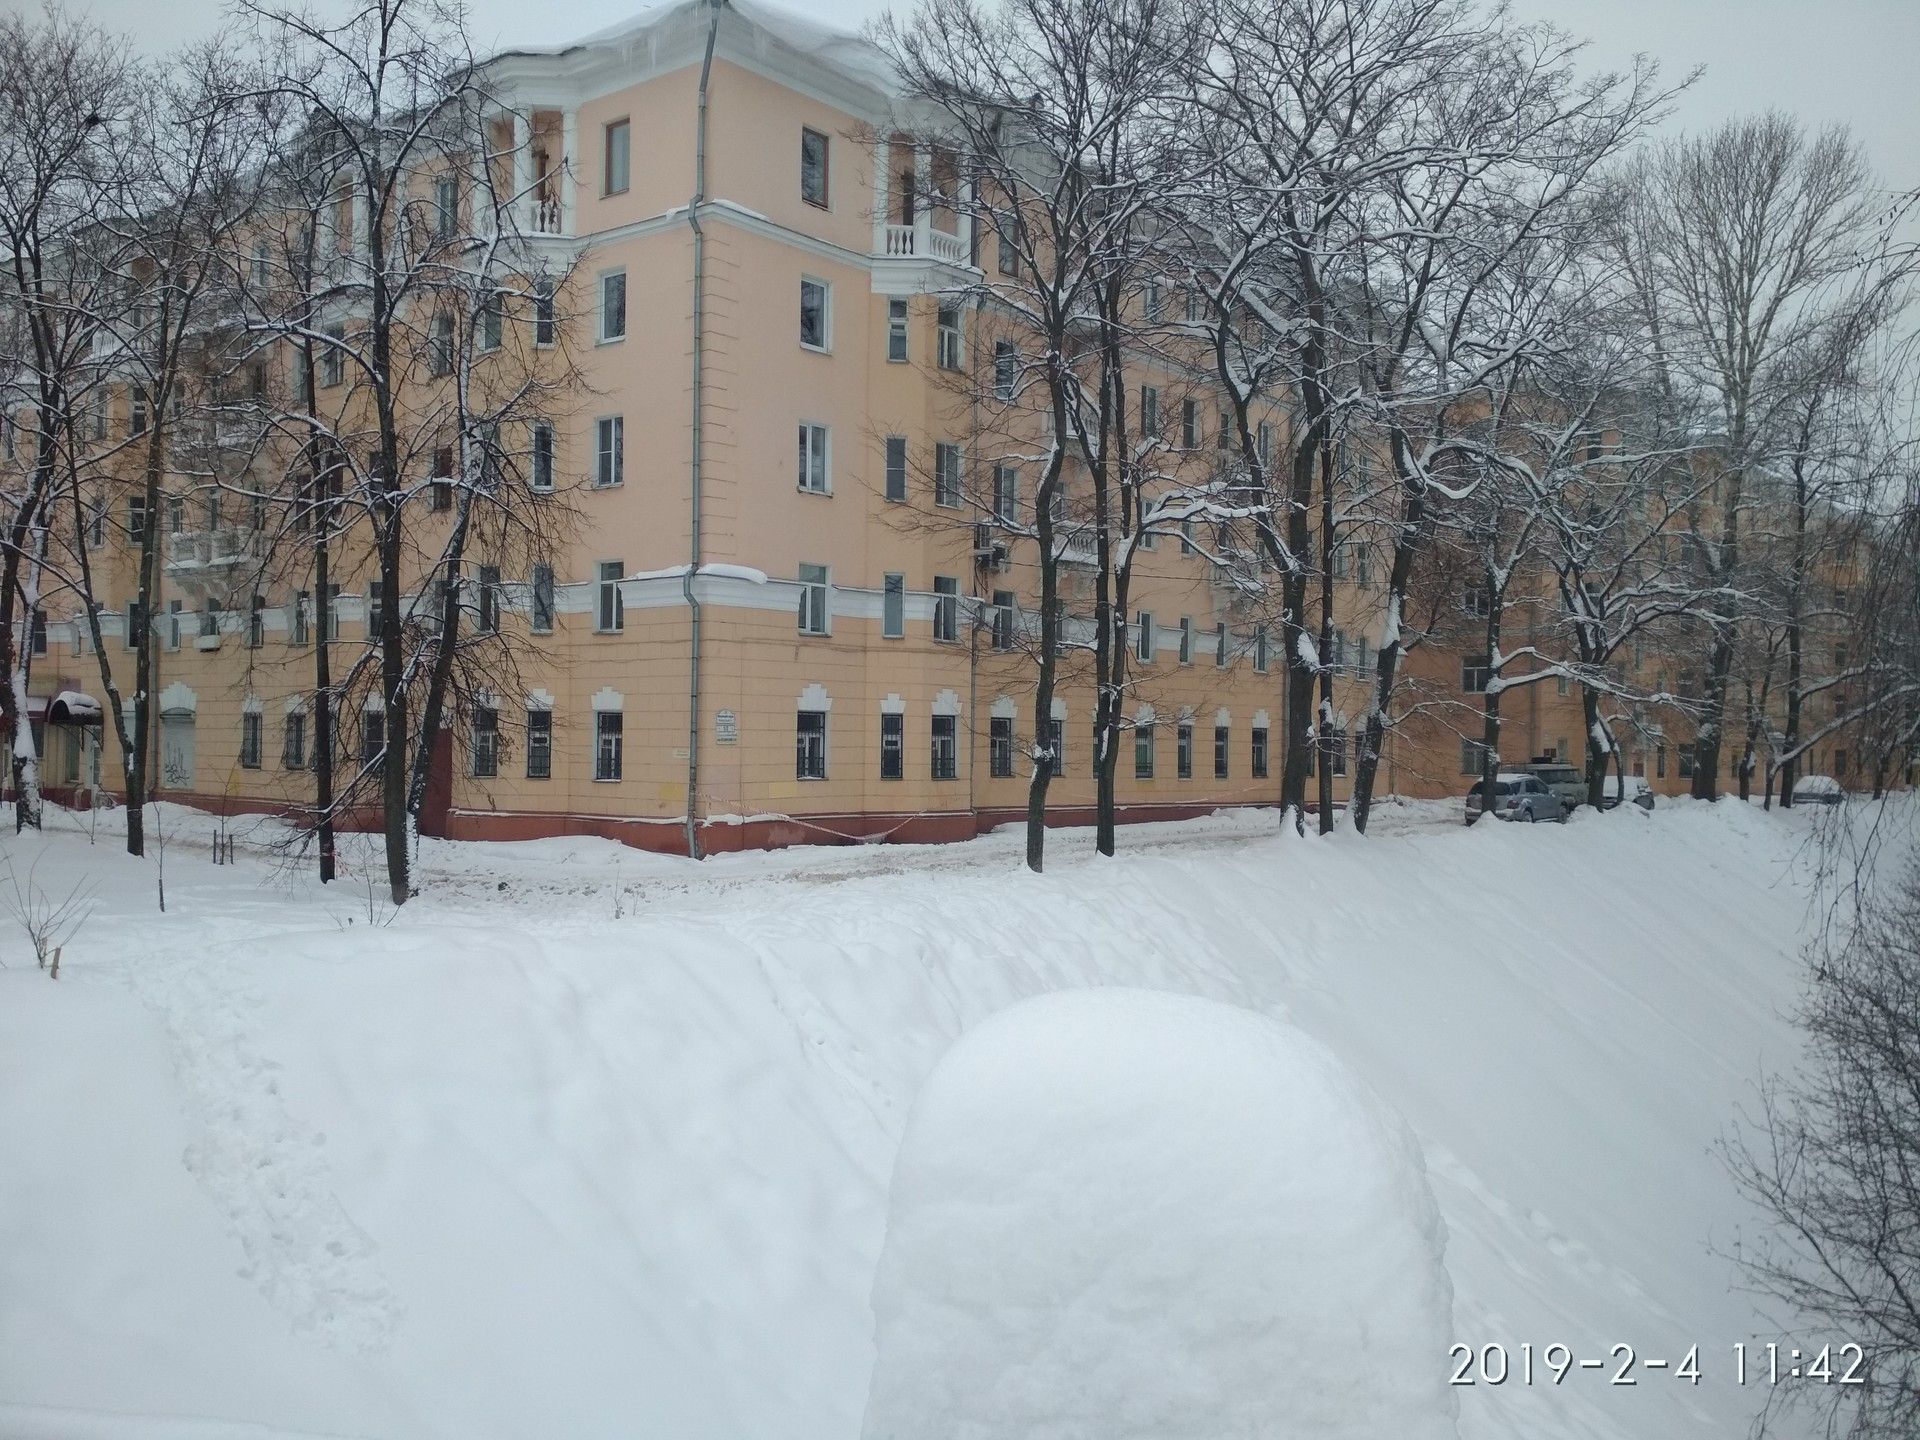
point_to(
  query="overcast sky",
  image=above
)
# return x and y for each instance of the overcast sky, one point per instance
(1846, 60)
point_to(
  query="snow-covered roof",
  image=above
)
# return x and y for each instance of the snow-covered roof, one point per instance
(840, 50)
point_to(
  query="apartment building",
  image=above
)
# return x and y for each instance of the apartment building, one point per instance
(788, 612)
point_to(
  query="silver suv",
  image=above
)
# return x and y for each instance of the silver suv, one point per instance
(1561, 778)
(1517, 797)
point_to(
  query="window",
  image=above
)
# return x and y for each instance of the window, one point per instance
(333, 357)
(1477, 599)
(440, 348)
(293, 743)
(813, 458)
(446, 206)
(896, 467)
(1263, 442)
(1143, 750)
(1362, 563)
(375, 607)
(1660, 762)
(1006, 370)
(485, 746)
(1686, 762)
(813, 167)
(893, 607)
(1259, 752)
(136, 410)
(1220, 645)
(896, 332)
(1003, 614)
(545, 317)
(1183, 752)
(946, 474)
(1006, 257)
(493, 320)
(1000, 747)
(813, 600)
(947, 351)
(946, 749)
(1222, 751)
(893, 729)
(1150, 300)
(330, 614)
(616, 170)
(1006, 494)
(210, 620)
(1057, 745)
(1473, 756)
(1149, 410)
(373, 739)
(1186, 639)
(1474, 674)
(540, 469)
(610, 451)
(1223, 436)
(611, 613)
(1143, 637)
(256, 622)
(1189, 425)
(539, 744)
(440, 492)
(487, 621)
(37, 630)
(946, 608)
(136, 624)
(1337, 747)
(609, 744)
(813, 314)
(262, 264)
(810, 745)
(1260, 649)
(613, 305)
(171, 637)
(540, 600)
(1562, 685)
(297, 620)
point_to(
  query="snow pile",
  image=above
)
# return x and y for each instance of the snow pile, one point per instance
(1123, 1215)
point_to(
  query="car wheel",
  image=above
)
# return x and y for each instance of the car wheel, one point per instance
(1533, 815)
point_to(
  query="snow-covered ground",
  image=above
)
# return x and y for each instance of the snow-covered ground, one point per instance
(591, 1143)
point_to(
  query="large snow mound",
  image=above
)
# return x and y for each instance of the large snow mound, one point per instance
(1118, 1213)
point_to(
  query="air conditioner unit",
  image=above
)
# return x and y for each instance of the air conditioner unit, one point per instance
(999, 555)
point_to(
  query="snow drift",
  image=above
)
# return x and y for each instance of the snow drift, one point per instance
(1121, 1215)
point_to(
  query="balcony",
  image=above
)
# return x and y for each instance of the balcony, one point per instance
(914, 241)
(191, 551)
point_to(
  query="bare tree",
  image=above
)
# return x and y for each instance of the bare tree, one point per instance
(1746, 246)
(65, 94)
(428, 318)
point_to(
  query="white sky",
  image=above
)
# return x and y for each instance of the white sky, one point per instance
(1826, 60)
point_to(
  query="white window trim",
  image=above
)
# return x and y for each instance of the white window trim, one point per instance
(600, 306)
(825, 347)
(826, 459)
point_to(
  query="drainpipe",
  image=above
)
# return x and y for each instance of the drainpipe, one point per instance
(694, 558)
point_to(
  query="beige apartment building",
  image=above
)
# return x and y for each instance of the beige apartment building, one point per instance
(838, 652)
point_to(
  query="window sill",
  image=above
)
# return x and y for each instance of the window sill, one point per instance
(598, 631)
(809, 490)
(816, 349)
(606, 779)
(609, 340)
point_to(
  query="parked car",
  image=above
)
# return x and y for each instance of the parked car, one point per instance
(1517, 797)
(1562, 779)
(1817, 790)
(1638, 792)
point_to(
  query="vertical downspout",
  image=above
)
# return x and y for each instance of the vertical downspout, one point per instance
(694, 558)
